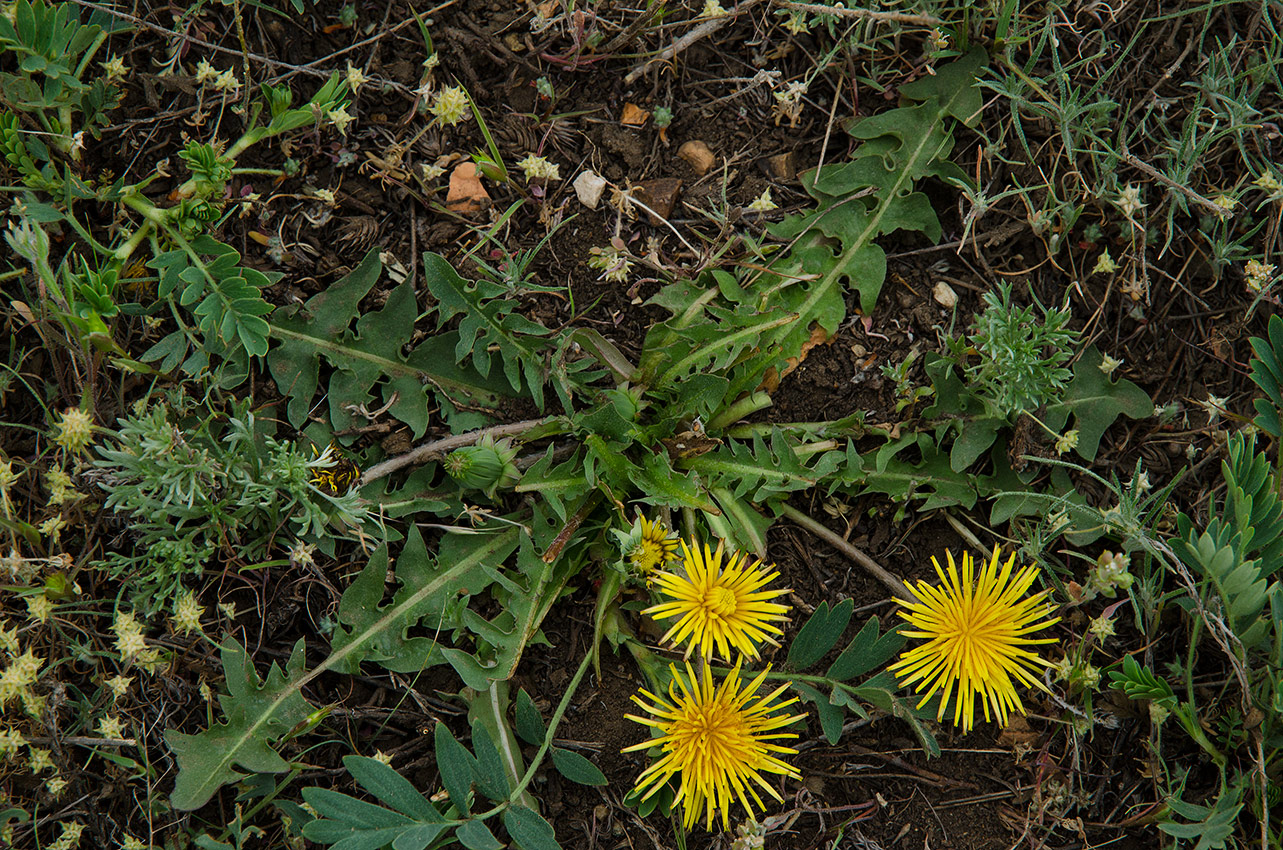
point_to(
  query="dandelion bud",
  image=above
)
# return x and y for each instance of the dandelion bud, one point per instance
(487, 466)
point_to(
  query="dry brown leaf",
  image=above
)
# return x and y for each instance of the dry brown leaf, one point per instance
(466, 194)
(1018, 733)
(771, 380)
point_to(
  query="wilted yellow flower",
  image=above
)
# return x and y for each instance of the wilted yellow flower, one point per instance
(75, 430)
(39, 607)
(763, 202)
(1104, 264)
(115, 68)
(303, 554)
(719, 609)
(55, 786)
(111, 727)
(60, 487)
(11, 741)
(539, 168)
(340, 119)
(1270, 183)
(1129, 201)
(130, 642)
(20, 675)
(52, 528)
(976, 628)
(612, 261)
(70, 838)
(451, 105)
(355, 77)
(39, 760)
(1067, 441)
(119, 685)
(717, 740)
(1258, 274)
(187, 614)
(205, 72)
(227, 82)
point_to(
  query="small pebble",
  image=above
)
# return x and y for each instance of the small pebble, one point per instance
(944, 295)
(588, 187)
(698, 155)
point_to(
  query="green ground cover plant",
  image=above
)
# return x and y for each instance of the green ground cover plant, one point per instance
(339, 558)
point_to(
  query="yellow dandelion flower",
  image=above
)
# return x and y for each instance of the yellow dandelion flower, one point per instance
(976, 629)
(717, 740)
(720, 609)
(654, 550)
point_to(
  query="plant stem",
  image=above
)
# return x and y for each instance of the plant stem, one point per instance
(747, 405)
(552, 728)
(438, 448)
(875, 569)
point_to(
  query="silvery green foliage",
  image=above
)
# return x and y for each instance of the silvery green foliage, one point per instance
(193, 488)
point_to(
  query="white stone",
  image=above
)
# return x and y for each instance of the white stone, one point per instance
(944, 295)
(589, 186)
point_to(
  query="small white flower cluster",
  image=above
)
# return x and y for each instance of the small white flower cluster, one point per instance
(539, 168)
(612, 261)
(1104, 264)
(788, 102)
(763, 202)
(224, 81)
(1259, 275)
(1067, 441)
(1271, 184)
(1129, 202)
(451, 106)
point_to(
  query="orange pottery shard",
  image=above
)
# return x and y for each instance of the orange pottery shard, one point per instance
(466, 194)
(633, 116)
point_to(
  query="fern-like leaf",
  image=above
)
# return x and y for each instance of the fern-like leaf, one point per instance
(1140, 683)
(368, 357)
(758, 472)
(872, 195)
(490, 320)
(1267, 373)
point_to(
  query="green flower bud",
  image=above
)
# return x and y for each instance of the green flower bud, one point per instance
(487, 466)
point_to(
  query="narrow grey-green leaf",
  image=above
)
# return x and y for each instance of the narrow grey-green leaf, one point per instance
(530, 726)
(475, 835)
(865, 652)
(346, 809)
(391, 788)
(576, 768)
(457, 767)
(830, 715)
(819, 634)
(528, 830)
(490, 773)
(418, 837)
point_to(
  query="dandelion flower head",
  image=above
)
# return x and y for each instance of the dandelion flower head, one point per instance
(719, 609)
(655, 547)
(977, 631)
(719, 739)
